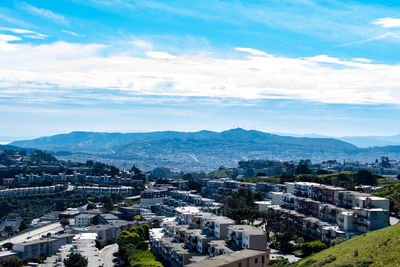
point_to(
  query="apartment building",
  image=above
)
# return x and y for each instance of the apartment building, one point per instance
(43, 247)
(243, 258)
(151, 197)
(81, 243)
(217, 226)
(217, 248)
(83, 220)
(326, 212)
(247, 237)
(31, 190)
(363, 219)
(97, 190)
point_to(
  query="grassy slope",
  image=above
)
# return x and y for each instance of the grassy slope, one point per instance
(377, 248)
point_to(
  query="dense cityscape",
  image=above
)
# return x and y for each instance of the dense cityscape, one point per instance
(269, 212)
(212, 133)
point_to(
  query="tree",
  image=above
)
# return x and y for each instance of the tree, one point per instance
(13, 261)
(76, 260)
(91, 206)
(64, 222)
(365, 177)
(283, 240)
(8, 229)
(107, 203)
(312, 247)
(194, 185)
(8, 245)
(302, 168)
(22, 226)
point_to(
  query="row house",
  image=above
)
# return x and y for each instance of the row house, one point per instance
(218, 247)
(363, 220)
(31, 190)
(307, 206)
(304, 189)
(351, 199)
(96, 190)
(288, 201)
(247, 237)
(328, 212)
(217, 226)
(325, 193)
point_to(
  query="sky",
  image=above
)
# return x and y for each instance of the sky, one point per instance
(299, 66)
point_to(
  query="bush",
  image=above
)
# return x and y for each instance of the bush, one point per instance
(76, 260)
(312, 247)
(337, 241)
(13, 261)
(133, 247)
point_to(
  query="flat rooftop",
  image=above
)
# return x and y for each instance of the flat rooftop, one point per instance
(228, 258)
(247, 229)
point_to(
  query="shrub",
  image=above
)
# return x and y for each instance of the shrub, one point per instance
(312, 247)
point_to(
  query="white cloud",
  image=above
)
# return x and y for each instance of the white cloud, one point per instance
(82, 71)
(252, 51)
(362, 60)
(159, 55)
(9, 38)
(142, 44)
(25, 33)
(45, 13)
(72, 33)
(387, 22)
(378, 37)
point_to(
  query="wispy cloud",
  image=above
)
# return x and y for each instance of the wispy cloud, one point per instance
(159, 55)
(25, 33)
(375, 38)
(73, 33)
(45, 13)
(387, 22)
(83, 67)
(9, 38)
(251, 51)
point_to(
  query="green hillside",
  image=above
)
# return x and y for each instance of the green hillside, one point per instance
(377, 248)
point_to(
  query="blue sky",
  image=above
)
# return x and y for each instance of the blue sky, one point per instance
(300, 66)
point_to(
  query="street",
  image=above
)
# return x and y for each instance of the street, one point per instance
(106, 254)
(276, 253)
(35, 233)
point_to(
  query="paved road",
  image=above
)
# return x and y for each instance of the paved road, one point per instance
(106, 254)
(35, 233)
(276, 253)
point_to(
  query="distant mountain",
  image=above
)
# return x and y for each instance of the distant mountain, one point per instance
(372, 141)
(359, 141)
(204, 150)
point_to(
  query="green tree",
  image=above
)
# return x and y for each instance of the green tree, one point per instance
(365, 177)
(8, 229)
(312, 247)
(283, 241)
(107, 203)
(22, 226)
(8, 245)
(76, 260)
(64, 222)
(337, 241)
(91, 206)
(13, 261)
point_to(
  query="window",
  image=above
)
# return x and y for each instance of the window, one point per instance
(256, 260)
(263, 259)
(240, 264)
